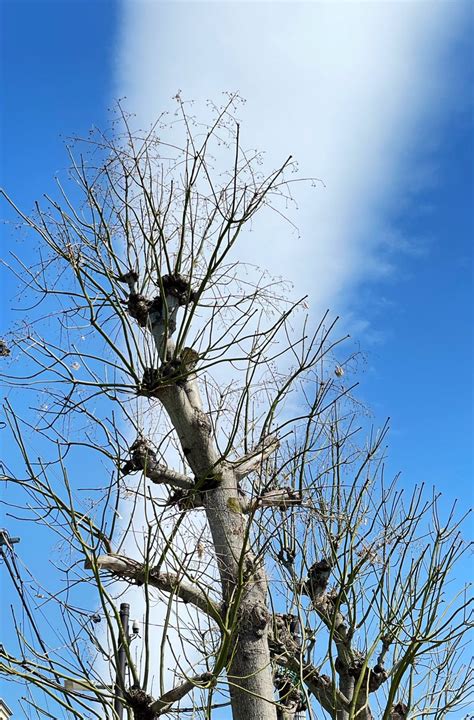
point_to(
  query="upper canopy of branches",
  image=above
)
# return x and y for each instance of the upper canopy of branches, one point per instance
(149, 301)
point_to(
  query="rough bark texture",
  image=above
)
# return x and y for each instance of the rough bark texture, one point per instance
(243, 584)
(244, 587)
(124, 567)
(286, 652)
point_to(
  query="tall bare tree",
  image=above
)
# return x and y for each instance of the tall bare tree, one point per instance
(199, 440)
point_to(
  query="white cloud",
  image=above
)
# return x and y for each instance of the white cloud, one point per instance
(343, 87)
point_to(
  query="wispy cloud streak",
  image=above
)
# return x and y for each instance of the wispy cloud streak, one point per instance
(349, 89)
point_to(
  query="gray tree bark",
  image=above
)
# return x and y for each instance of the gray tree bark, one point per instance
(244, 585)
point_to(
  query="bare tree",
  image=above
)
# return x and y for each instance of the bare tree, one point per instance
(195, 436)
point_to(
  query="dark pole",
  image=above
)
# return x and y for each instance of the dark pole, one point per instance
(121, 660)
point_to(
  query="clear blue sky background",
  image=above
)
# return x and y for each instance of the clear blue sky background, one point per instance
(60, 65)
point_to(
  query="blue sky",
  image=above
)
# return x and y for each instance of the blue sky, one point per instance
(373, 98)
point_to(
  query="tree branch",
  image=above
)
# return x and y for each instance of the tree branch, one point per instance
(326, 605)
(255, 459)
(281, 498)
(286, 652)
(164, 703)
(399, 711)
(143, 458)
(124, 567)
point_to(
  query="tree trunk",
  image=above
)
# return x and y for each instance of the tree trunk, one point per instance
(346, 686)
(243, 582)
